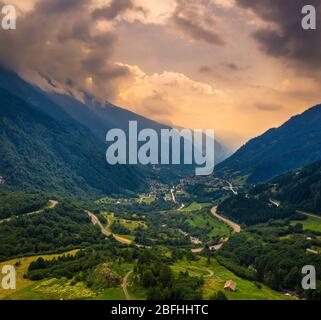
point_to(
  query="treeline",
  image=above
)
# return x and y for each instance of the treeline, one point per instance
(161, 283)
(250, 211)
(18, 203)
(277, 263)
(90, 266)
(299, 189)
(55, 230)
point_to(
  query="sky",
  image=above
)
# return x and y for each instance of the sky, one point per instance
(239, 67)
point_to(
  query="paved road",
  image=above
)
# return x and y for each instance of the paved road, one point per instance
(308, 214)
(233, 225)
(51, 205)
(232, 188)
(125, 283)
(95, 221)
(173, 195)
(275, 203)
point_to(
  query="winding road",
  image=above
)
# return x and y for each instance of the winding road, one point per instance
(173, 195)
(51, 205)
(95, 221)
(236, 228)
(232, 188)
(278, 204)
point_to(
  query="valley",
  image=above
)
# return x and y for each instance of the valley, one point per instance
(77, 228)
(187, 238)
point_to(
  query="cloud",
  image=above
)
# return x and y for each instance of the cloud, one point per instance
(195, 20)
(233, 67)
(59, 40)
(268, 107)
(162, 96)
(115, 8)
(284, 36)
(59, 6)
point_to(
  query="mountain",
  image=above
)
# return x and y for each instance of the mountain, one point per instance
(101, 116)
(295, 144)
(97, 116)
(41, 153)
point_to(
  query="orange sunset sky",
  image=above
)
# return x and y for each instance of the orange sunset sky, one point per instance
(237, 66)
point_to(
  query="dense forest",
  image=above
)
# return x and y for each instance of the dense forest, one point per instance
(160, 281)
(55, 230)
(42, 154)
(301, 188)
(249, 210)
(259, 256)
(18, 203)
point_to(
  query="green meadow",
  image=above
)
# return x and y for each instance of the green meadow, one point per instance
(215, 276)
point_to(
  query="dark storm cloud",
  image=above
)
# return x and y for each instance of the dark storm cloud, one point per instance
(288, 40)
(59, 40)
(113, 10)
(59, 6)
(193, 19)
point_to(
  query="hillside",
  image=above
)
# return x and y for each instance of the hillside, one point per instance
(40, 153)
(295, 144)
(251, 211)
(299, 188)
(97, 116)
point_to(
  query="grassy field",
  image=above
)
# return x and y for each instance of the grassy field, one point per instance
(311, 223)
(136, 292)
(21, 269)
(196, 206)
(215, 277)
(131, 225)
(146, 199)
(219, 228)
(112, 294)
(63, 289)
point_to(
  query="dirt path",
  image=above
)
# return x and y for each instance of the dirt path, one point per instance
(210, 272)
(125, 283)
(51, 205)
(233, 225)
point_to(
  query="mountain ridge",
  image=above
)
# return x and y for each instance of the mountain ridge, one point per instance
(293, 145)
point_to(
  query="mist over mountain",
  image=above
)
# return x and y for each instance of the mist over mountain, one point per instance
(293, 145)
(98, 116)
